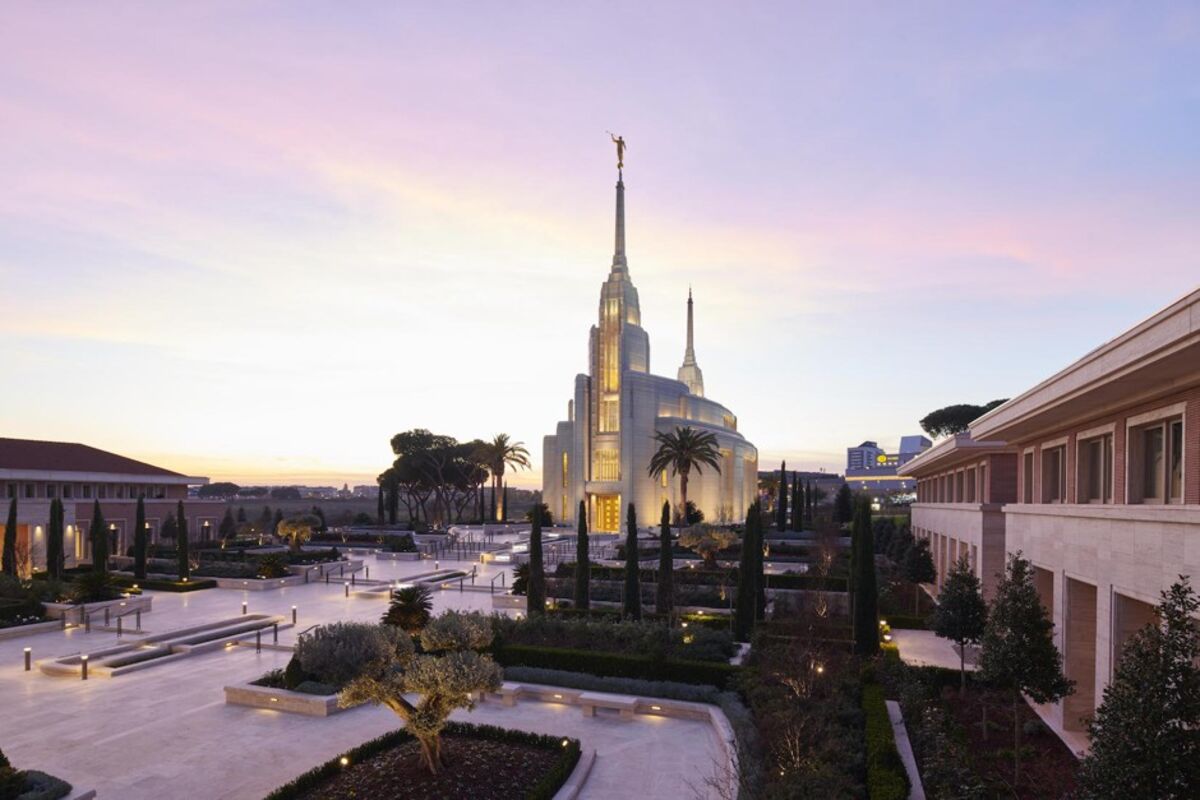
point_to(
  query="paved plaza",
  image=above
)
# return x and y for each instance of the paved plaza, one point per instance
(166, 731)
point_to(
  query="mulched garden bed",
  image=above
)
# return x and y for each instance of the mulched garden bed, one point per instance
(480, 770)
(482, 763)
(1048, 768)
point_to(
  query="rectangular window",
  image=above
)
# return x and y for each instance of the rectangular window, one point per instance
(958, 487)
(102, 491)
(564, 472)
(1175, 462)
(67, 491)
(607, 466)
(970, 498)
(1027, 478)
(983, 493)
(1095, 470)
(29, 490)
(1054, 474)
(1156, 462)
(51, 490)
(87, 491)
(610, 415)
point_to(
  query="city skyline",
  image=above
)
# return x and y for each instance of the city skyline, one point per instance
(258, 253)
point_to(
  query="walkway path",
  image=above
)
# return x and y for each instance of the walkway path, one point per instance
(166, 731)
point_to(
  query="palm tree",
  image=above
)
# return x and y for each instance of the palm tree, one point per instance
(504, 453)
(410, 608)
(681, 451)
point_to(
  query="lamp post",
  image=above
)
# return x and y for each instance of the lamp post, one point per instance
(293, 615)
(83, 661)
(28, 658)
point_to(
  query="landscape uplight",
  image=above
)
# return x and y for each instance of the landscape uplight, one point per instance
(28, 658)
(83, 660)
(344, 761)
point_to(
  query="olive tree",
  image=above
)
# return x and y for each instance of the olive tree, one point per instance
(298, 530)
(380, 664)
(707, 541)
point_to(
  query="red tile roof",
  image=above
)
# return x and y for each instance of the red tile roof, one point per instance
(30, 454)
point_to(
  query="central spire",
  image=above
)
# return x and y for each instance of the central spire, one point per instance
(619, 264)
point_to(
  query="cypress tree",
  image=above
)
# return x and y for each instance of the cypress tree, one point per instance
(583, 567)
(918, 568)
(380, 516)
(843, 505)
(782, 504)
(181, 542)
(228, 527)
(139, 538)
(54, 541)
(812, 503)
(241, 515)
(760, 583)
(275, 522)
(744, 611)
(866, 595)
(665, 597)
(264, 520)
(797, 503)
(633, 586)
(98, 533)
(10, 539)
(535, 594)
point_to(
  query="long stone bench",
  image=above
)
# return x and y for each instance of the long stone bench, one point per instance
(625, 705)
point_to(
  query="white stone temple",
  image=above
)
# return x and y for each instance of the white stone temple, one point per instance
(601, 453)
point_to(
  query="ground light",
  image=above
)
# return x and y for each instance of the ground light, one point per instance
(28, 658)
(293, 615)
(83, 672)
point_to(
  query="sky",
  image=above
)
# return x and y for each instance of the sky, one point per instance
(253, 240)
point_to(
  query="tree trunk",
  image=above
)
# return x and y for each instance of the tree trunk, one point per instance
(916, 599)
(683, 482)
(985, 725)
(1016, 740)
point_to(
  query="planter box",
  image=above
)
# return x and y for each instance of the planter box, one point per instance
(17, 631)
(508, 602)
(385, 556)
(254, 584)
(310, 705)
(122, 605)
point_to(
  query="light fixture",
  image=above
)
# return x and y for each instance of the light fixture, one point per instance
(345, 762)
(656, 708)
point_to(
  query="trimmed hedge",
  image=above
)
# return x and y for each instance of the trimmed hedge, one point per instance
(702, 577)
(544, 789)
(886, 776)
(809, 582)
(617, 665)
(166, 586)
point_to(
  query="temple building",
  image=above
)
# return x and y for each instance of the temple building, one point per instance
(600, 454)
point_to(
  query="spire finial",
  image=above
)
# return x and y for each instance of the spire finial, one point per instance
(690, 372)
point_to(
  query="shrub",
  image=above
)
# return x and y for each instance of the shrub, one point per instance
(93, 587)
(293, 674)
(655, 639)
(886, 777)
(401, 544)
(334, 653)
(616, 665)
(274, 565)
(410, 608)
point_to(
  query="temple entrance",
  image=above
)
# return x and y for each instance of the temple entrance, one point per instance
(608, 513)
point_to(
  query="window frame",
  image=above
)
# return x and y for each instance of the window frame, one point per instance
(1137, 427)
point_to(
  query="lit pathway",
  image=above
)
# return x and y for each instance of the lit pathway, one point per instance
(166, 731)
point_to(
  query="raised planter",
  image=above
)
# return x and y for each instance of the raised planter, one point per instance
(255, 584)
(17, 631)
(76, 612)
(310, 705)
(383, 555)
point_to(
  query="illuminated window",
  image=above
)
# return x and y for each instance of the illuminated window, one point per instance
(564, 470)
(607, 466)
(663, 475)
(610, 414)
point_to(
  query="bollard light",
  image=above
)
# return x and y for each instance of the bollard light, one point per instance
(347, 588)
(28, 658)
(258, 641)
(119, 621)
(138, 617)
(83, 663)
(293, 615)
(368, 569)
(244, 607)
(275, 633)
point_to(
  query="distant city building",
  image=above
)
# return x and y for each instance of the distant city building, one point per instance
(871, 469)
(37, 472)
(369, 491)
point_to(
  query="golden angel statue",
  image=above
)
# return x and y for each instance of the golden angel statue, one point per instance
(620, 143)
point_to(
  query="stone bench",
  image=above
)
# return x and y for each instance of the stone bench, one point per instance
(510, 692)
(625, 705)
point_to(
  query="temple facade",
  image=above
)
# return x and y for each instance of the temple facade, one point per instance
(600, 454)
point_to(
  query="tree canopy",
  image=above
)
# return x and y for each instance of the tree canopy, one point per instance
(956, 418)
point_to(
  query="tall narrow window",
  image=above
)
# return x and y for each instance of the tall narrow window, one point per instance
(1054, 475)
(970, 498)
(1095, 470)
(564, 469)
(1153, 447)
(1027, 478)
(1175, 462)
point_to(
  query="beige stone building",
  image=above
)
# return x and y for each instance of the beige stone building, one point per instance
(1094, 475)
(600, 453)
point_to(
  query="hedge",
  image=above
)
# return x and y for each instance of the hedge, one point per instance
(545, 789)
(616, 665)
(160, 585)
(886, 776)
(692, 577)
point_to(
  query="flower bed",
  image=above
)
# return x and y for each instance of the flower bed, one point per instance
(487, 763)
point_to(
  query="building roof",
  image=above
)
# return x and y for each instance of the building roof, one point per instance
(39, 456)
(951, 451)
(1156, 356)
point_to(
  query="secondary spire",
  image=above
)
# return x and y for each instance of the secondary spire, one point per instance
(690, 373)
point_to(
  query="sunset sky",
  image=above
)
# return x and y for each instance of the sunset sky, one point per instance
(253, 240)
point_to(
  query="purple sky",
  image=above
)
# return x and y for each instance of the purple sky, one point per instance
(253, 240)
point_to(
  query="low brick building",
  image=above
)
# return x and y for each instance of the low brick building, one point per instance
(36, 472)
(1101, 494)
